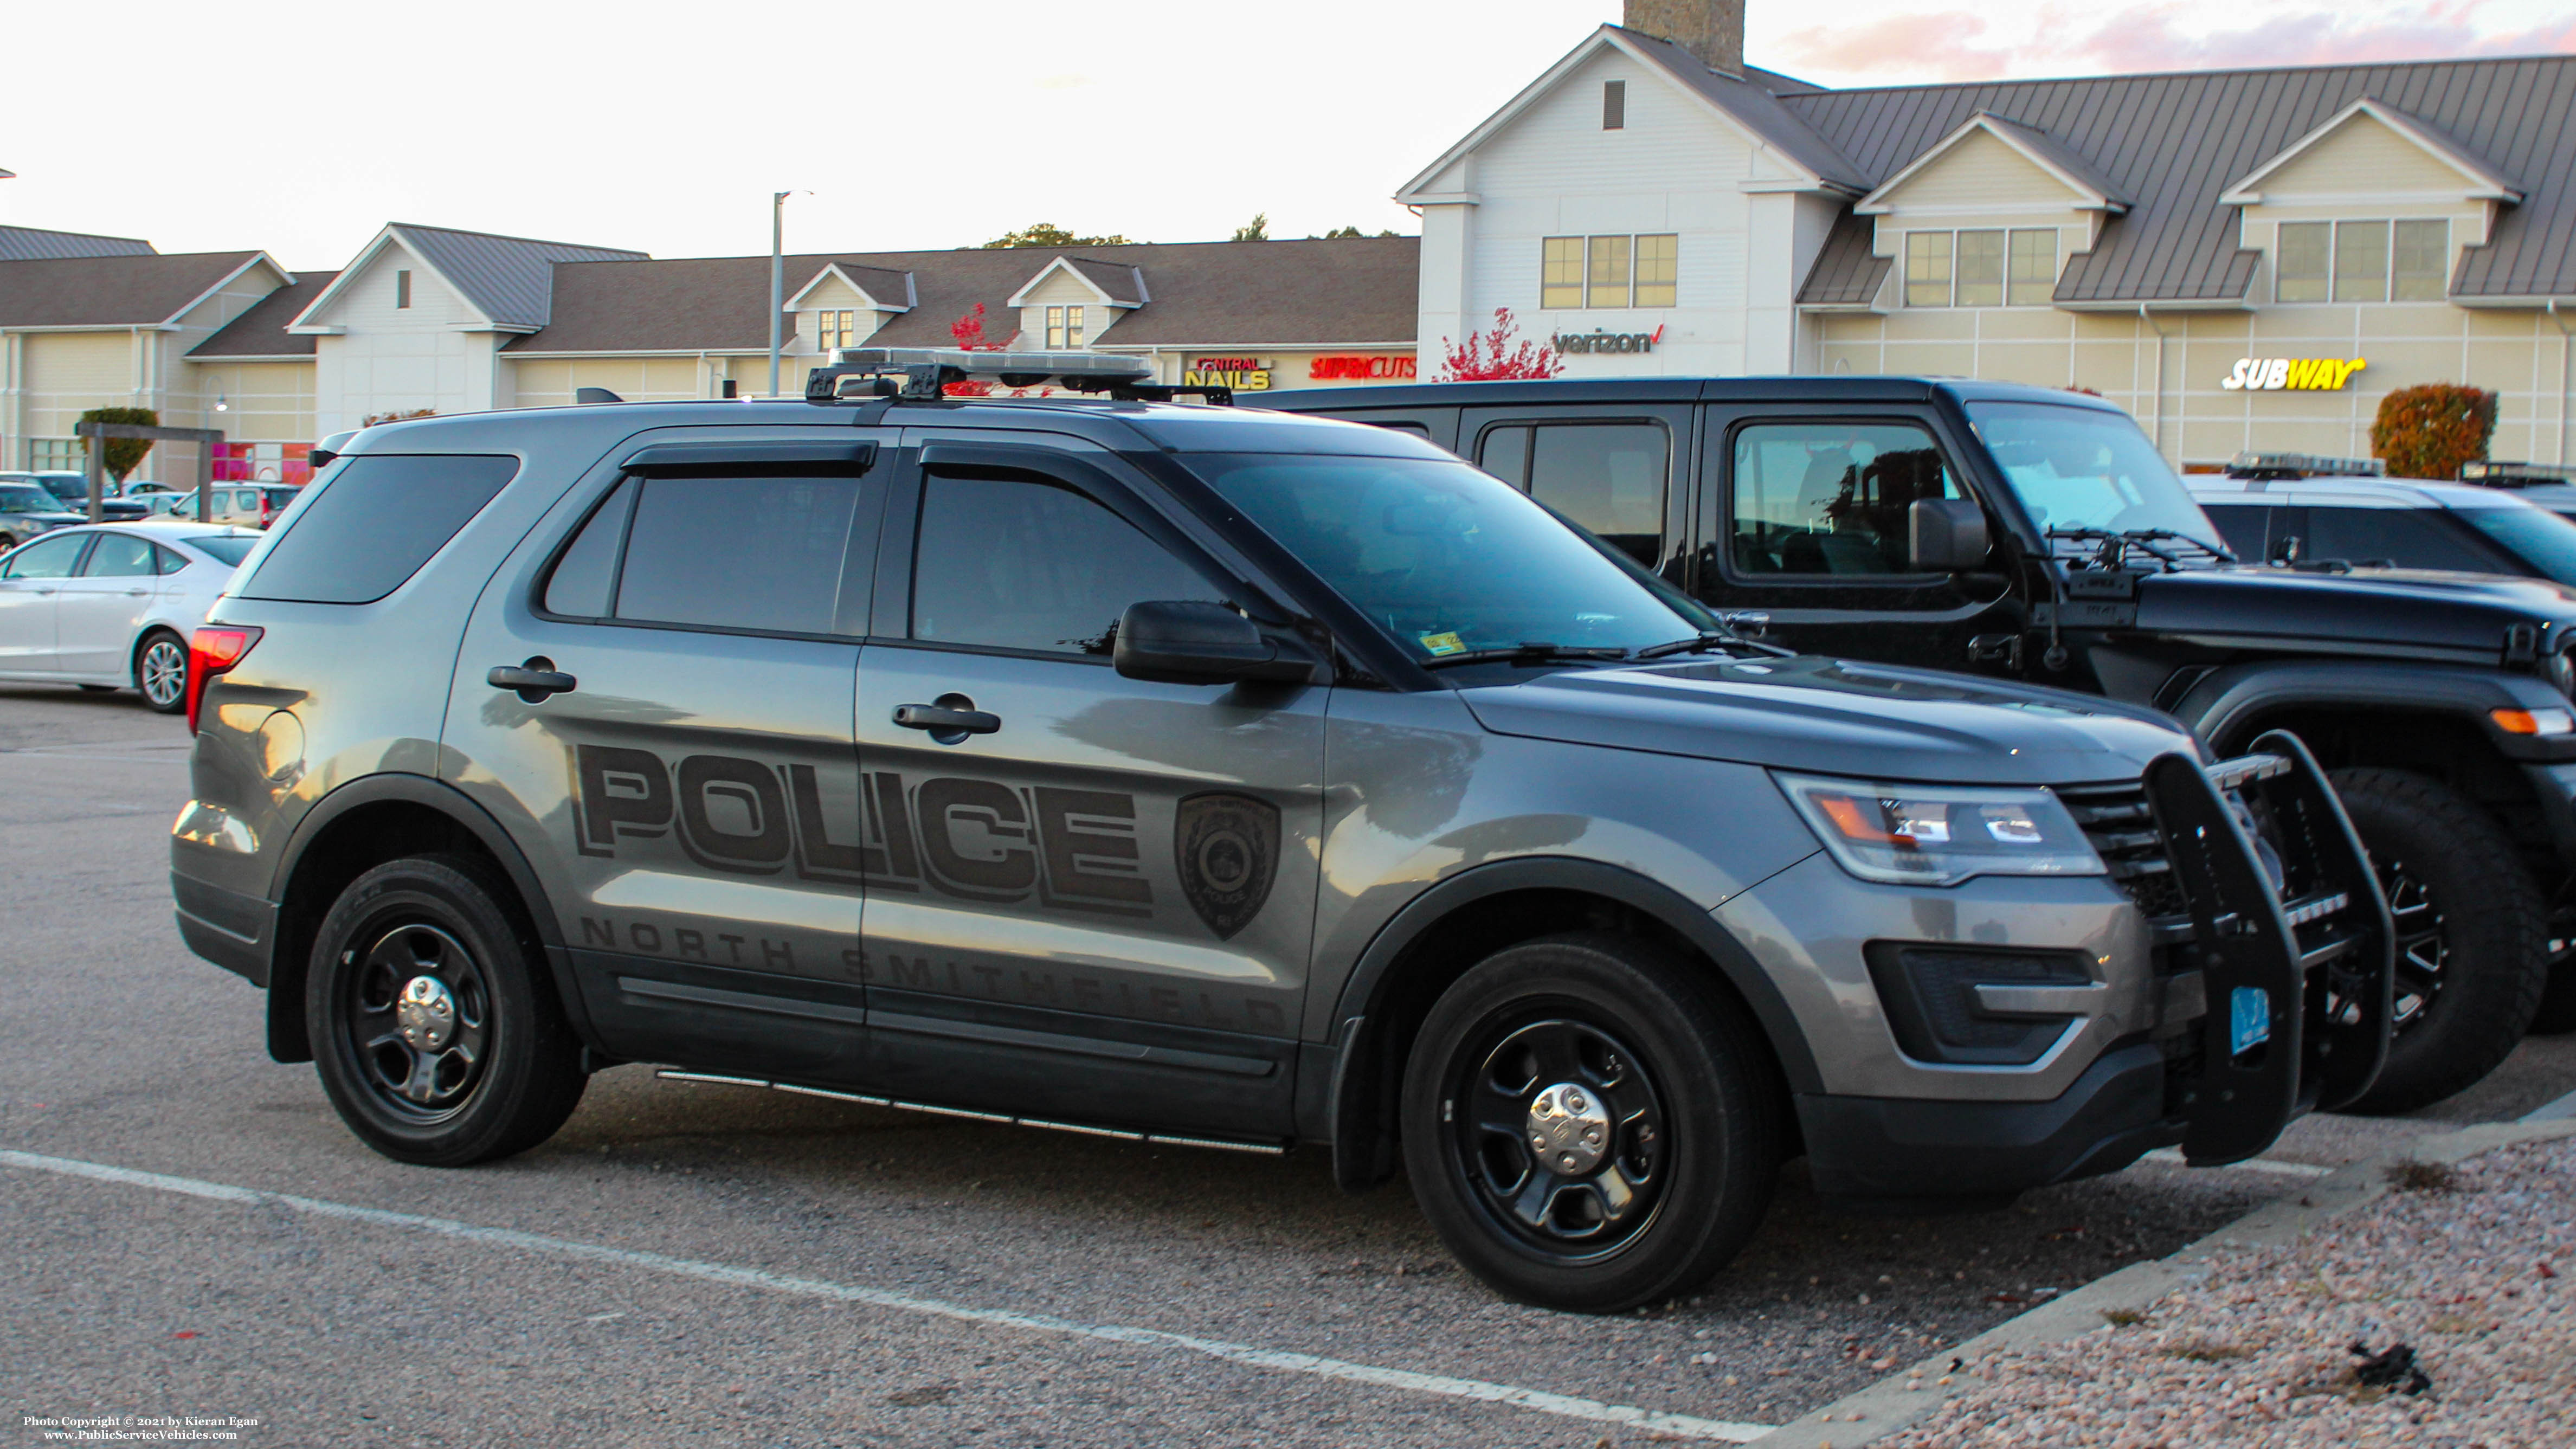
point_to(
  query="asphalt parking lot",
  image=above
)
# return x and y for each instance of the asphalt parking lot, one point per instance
(726, 1265)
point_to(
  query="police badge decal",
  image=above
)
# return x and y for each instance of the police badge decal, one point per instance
(1227, 849)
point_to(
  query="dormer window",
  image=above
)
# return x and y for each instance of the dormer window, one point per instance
(1063, 328)
(836, 330)
(1987, 267)
(2362, 261)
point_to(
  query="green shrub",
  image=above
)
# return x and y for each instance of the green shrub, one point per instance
(124, 455)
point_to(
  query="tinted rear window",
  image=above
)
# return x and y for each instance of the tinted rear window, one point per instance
(232, 549)
(374, 524)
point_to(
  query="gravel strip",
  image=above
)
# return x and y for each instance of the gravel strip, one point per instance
(2469, 1267)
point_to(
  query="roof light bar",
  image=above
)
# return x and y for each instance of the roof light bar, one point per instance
(2303, 465)
(922, 374)
(2516, 475)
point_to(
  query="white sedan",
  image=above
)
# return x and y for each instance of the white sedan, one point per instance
(112, 606)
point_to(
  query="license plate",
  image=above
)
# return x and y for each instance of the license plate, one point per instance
(2249, 1019)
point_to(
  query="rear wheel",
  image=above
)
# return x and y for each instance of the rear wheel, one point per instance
(161, 671)
(1588, 1125)
(2472, 932)
(435, 1031)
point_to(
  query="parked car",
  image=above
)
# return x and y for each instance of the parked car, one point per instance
(73, 490)
(108, 606)
(2036, 534)
(245, 505)
(2550, 485)
(2360, 521)
(1202, 777)
(27, 509)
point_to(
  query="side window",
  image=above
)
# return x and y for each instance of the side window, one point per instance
(584, 583)
(1829, 497)
(2245, 527)
(1608, 477)
(47, 558)
(167, 560)
(766, 553)
(1010, 563)
(377, 520)
(2403, 537)
(119, 556)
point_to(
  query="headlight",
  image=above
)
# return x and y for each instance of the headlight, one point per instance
(1940, 834)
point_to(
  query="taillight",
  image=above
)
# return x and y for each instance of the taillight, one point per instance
(212, 650)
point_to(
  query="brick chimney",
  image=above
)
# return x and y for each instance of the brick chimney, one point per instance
(1711, 30)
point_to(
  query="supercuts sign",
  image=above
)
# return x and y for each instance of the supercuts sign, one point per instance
(1079, 851)
(2293, 374)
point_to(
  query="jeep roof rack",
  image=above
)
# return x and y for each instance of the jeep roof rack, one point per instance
(2303, 465)
(2516, 475)
(922, 374)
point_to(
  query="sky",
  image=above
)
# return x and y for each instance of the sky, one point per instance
(301, 128)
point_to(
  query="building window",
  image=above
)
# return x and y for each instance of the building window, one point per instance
(1606, 284)
(1614, 105)
(402, 290)
(836, 330)
(1063, 328)
(2362, 261)
(1658, 269)
(56, 455)
(1561, 272)
(2032, 281)
(2422, 270)
(1980, 259)
(1927, 269)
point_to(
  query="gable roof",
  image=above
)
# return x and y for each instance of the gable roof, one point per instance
(2030, 143)
(261, 331)
(1343, 292)
(508, 279)
(2485, 182)
(27, 244)
(2173, 143)
(1111, 283)
(115, 291)
(890, 291)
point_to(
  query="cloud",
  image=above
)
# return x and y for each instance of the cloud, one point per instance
(1953, 45)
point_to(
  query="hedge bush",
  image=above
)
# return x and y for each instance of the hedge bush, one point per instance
(2429, 431)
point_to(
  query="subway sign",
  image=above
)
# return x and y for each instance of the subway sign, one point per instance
(2291, 374)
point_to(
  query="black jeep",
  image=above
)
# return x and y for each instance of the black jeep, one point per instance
(2036, 533)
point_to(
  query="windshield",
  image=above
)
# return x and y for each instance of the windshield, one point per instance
(2537, 536)
(2085, 468)
(1449, 559)
(64, 485)
(27, 498)
(231, 548)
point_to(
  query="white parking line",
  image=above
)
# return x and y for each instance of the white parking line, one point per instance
(2553, 1111)
(1562, 1405)
(2174, 1156)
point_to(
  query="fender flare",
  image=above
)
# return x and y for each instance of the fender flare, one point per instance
(286, 1027)
(2221, 706)
(1362, 1152)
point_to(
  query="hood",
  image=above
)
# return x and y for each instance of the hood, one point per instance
(1838, 717)
(2458, 614)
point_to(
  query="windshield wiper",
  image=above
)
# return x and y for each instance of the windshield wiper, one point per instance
(2153, 542)
(1537, 652)
(1692, 645)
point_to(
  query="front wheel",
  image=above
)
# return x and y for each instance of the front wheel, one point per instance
(435, 1030)
(161, 671)
(2472, 932)
(1589, 1124)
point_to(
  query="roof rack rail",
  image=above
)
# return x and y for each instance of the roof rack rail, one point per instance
(2303, 465)
(922, 374)
(2516, 475)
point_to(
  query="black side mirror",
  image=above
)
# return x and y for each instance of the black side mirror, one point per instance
(1946, 535)
(1177, 641)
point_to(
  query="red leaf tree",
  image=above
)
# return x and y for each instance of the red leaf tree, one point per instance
(2428, 431)
(1497, 354)
(968, 329)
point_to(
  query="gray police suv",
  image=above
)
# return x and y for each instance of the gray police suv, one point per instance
(1177, 774)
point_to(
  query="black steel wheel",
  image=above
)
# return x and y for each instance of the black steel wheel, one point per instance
(2472, 934)
(436, 1034)
(161, 671)
(1590, 1124)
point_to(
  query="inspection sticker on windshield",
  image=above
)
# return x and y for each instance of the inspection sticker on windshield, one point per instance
(2249, 1019)
(1443, 643)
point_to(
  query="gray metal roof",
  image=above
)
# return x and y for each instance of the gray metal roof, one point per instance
(1847, 273)
(2170, 144)
(509, 279)
(1756, 99)
(27, 244)
(2044, 145)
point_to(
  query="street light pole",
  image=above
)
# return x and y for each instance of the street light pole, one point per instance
(777, 278)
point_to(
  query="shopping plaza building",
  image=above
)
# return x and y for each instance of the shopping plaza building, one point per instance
(2243, 259)
(2195, 247)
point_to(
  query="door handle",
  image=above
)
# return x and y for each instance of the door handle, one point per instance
(533, 680)
(946, 719)
(136, 593)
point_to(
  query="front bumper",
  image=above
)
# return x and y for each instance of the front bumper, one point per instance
(1897, 1147)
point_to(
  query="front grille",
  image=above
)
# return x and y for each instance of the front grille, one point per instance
(2117, 819)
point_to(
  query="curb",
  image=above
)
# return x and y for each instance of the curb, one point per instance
(1889, 1405)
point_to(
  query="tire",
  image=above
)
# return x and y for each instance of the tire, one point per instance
(425, 948)
(2557, 1014)
(1602, 1032)
(2472, 934)
(161, 671)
